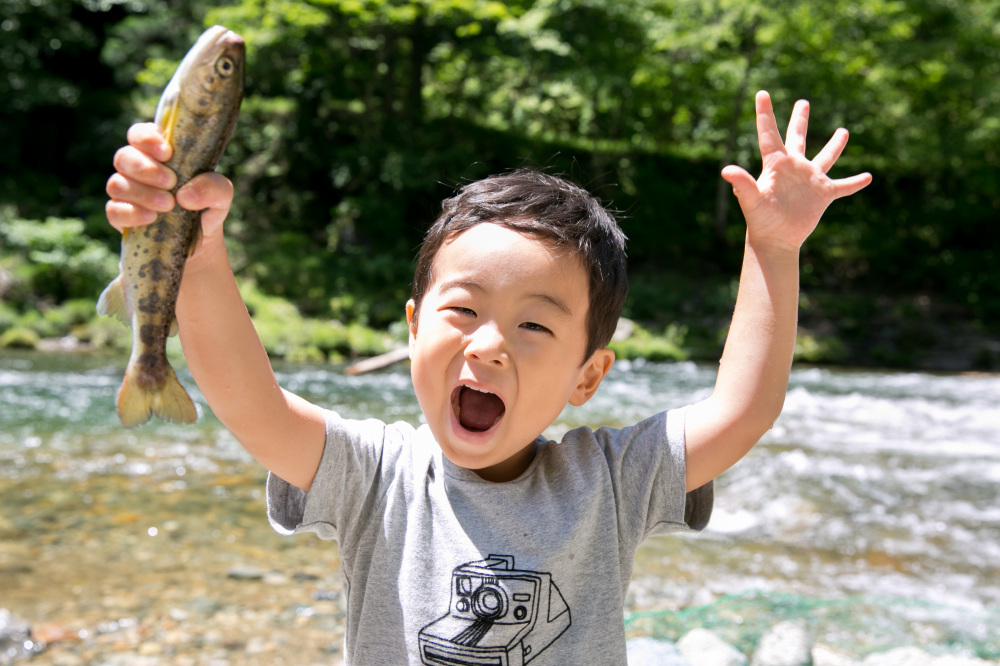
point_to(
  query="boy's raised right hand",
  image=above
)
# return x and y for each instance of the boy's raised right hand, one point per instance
(141, 186)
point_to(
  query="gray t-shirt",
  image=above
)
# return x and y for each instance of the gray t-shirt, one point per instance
(442, 567)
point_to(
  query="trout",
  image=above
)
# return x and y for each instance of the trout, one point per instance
(196, 115)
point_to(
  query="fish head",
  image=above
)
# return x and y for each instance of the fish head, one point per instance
(209, 78)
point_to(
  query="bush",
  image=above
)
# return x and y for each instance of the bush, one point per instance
(104, 333)
(652, 347)
(284, 332)
(19, 337)
(818, 349)
(54, 260)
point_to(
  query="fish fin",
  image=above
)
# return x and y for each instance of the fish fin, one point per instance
(166, 113)
(195, 238)
(125, 233)
(170, 402)
(173, 327)
(113, 302)
(135, 405)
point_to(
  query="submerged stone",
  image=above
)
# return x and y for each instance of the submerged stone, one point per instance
(785, 644)
(15, 638)
(704, 648)
(647, 651)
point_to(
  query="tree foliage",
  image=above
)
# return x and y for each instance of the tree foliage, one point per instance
(361, 115)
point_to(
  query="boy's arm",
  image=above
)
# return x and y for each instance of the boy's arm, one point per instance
(782, 207)
(282, 431)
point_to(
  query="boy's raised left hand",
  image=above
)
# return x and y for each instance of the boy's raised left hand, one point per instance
(783, 205)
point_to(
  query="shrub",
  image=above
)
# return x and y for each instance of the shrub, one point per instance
(19, 337)
(53, 260)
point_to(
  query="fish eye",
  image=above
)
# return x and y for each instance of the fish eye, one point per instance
(224, 66)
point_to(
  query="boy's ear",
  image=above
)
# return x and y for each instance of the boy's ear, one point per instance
(591, 375)
(411, 323)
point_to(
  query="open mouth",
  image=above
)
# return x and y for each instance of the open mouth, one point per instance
(476, 411)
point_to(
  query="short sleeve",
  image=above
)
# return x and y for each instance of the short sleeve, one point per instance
(347, 481)
(647, 463)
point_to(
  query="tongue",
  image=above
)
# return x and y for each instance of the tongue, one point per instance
(478, 411)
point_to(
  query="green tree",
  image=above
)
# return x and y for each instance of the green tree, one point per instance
(361, 115)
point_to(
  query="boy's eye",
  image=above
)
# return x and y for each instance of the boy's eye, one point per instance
(463, 311)
(532, 326)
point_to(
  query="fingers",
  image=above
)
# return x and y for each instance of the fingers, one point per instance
(134, 204)
(209, 192)
(123, 188)
(845, 187)
(795, 137)
(123, 215)
(744, 185)
(133, 201)
(767, 128)
(826, 158)
(798, 125)
(135, 165)
(139, 189)
(147, 138)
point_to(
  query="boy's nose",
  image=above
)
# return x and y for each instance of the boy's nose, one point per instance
(486, 344)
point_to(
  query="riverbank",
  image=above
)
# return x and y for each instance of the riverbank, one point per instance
(131, 642)
(175, 572)
(915, 332)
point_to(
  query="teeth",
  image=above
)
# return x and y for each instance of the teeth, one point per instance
(456, 408)
(479, 390)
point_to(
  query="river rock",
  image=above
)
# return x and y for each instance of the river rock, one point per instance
(702, 647)
(911, 656)
(907, 656)
(15, 638)
(824, 655)
(624, 330)
(647, 651)
(955, 660)
(785, 644)
(244, 572)
(52, 632)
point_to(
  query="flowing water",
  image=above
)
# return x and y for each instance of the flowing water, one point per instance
(870, 511)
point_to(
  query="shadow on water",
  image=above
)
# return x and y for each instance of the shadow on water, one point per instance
(870, 510)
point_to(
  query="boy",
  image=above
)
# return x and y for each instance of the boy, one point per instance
(473, 540)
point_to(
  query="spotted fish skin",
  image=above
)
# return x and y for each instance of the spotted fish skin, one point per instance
(196, 115)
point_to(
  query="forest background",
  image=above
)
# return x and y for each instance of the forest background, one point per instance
(362, 115)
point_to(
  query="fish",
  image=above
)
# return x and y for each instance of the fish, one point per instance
(196, 115)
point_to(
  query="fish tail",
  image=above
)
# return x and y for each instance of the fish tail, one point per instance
(170, 402)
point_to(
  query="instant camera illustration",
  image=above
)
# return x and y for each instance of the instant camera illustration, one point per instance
(498, 616)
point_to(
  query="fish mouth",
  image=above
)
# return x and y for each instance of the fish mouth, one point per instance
(216, 35)
(228, 37)
(476, 409)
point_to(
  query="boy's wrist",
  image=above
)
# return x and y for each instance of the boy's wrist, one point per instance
(770, 250)
(210, 252)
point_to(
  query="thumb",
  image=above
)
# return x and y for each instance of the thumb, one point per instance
(209, 192)
(744, 185)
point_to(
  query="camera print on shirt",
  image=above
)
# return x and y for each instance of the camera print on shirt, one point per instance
(498, 615)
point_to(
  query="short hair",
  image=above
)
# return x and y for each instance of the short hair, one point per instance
(549, 208)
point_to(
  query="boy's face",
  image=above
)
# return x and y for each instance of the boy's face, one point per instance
(496, 346)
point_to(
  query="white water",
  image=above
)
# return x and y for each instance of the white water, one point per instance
(872, 484)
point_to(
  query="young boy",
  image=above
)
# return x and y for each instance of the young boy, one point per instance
(474, 540)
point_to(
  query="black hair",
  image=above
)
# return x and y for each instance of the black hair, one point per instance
(552, 209)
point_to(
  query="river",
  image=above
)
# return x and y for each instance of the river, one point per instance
(871, 510)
